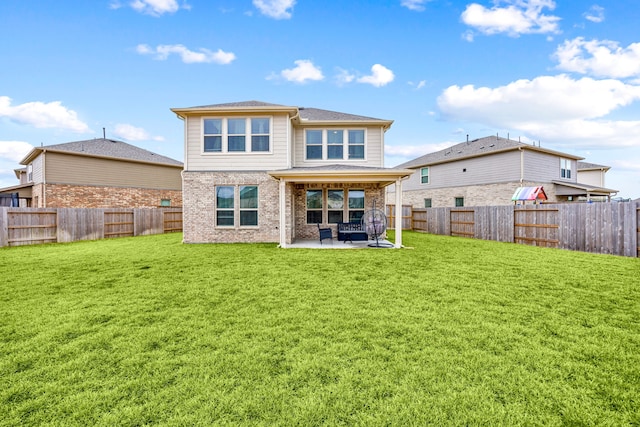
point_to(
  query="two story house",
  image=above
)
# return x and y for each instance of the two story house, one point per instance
(487, 171)
(97, 173)
(261, 172)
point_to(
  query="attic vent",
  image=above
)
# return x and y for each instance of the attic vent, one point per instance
(475, 140)
(482, 147)
(459, 152)
(492, 145)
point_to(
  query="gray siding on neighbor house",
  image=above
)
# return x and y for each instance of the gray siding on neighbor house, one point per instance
(374, 151)
(496, 168)
(545, 167)
(84, 170)
(197, 160)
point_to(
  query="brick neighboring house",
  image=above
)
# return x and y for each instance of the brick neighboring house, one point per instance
(260, 172)
(97, 173)
(487, 171)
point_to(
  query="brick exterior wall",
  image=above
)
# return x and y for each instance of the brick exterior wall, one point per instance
(474, 195)
(200, 217)
(310, 231)
(199, 213)
(85, 196)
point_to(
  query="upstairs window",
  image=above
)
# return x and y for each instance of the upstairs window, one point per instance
(565, 168)
(356, 144)
(335, 144)
(260, 132)
(212, 135)
(314, 144)
(237, 135)
(424, 175)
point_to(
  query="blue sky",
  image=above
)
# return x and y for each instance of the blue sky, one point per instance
(564, 73)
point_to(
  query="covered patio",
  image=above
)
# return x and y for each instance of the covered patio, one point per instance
(299, 223)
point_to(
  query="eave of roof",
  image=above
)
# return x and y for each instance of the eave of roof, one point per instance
(342, 173)
(235, 107)
(585, 187)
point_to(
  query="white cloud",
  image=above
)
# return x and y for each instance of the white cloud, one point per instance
(132, 133)
(602, 58)
(413, 151)
(11, 152)
(14, 150)
(277, 9)
(303, 72)
(380, 76)
(419, 85)
(514, 18)
(154, 7)
(344, 77)
(549, 107)
(163, 51)
(595, 14)
(51, 115)
(417, 5)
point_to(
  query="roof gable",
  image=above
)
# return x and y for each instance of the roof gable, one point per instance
(101, 147)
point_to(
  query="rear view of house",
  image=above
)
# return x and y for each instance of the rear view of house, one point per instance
(260, 172)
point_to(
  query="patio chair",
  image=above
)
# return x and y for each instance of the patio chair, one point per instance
(325, 233)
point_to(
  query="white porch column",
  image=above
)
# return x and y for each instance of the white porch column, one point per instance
(283, 213)
(398, 243)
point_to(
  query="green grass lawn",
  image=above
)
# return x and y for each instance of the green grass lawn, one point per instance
(149, 331)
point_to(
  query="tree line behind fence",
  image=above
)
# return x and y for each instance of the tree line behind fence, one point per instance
(606, 228)
(28, 226)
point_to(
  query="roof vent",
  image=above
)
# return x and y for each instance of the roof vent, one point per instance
(482, 147)
(492, 145)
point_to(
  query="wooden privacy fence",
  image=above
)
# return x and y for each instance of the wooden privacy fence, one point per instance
(607, 228)
(28, 226)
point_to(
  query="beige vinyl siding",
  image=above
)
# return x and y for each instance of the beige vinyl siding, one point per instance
(83, 170)
(592, 177)
(545, 167)
(374, 140)
(196, 160)
(37, 169)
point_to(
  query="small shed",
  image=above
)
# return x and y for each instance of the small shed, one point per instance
(534, 194)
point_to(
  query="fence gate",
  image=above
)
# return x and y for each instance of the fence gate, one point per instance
(536, 227)
(118, 224)
(172, 221)
(31, 227)
(462, 222)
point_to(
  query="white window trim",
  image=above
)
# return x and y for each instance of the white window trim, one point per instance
(225, 135)
(428, 176)
(236, 209)
(565, 162)
(345, 145)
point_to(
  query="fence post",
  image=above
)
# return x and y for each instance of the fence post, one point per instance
(4, 229)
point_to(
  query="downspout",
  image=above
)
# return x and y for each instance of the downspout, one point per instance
(44, 180)
(521, 166)
(290, 151)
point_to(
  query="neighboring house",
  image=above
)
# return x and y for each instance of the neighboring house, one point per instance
(260, 172)
(97, 173)
(487, 171)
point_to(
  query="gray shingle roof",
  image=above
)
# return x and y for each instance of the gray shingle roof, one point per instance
(111, 148)
(587, 165)
(476, 147)
(313, 114)
(241, 104)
